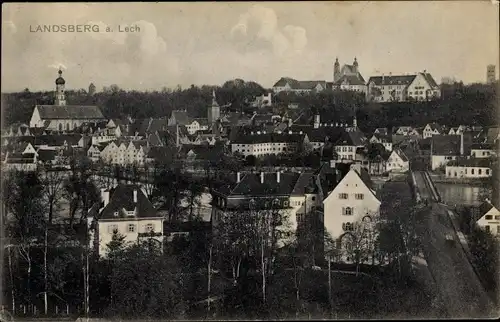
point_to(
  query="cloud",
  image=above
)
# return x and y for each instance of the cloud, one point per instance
(58, 66)
(262, 23)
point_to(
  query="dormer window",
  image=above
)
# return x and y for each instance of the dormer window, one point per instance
(116, 214)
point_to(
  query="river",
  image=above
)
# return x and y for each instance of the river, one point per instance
(462, 194)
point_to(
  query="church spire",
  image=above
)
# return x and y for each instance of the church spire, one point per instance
(214, 110)
(60, 98)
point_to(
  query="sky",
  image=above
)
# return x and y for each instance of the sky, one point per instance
(210, 43)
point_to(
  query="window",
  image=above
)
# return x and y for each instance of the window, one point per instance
(480, 171)
(348, 226)
(313, 198)
(131, 228)
(285, 203)
(497, 217)
(498, 229)
(347, 211)
(343, 196)
(359, 196)
(149, 228)
(488, 217)
(472, 171)
(112, 228)
(115, 214)
(487, 227)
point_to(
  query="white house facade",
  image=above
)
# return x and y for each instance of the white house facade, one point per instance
(349, 202)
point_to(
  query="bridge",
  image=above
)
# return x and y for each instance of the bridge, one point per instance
(447, 254)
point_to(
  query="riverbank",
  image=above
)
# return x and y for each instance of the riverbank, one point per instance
(441, 178)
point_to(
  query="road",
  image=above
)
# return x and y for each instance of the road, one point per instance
(460, 288)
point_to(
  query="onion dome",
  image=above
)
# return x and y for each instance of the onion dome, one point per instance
(60, 80)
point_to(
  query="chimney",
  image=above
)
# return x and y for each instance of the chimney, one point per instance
(105, 196)
(238, 177)
(278, 177)
(262, 177)
(135, 195)
(461, 144)
(316, 121)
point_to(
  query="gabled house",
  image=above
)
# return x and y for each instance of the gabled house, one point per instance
(287, 84)
(445, 148)
(199, 124)
(490, 218)
(432, 129)
(21, 157)
(385, 140)
(179, 117)
(420, 86)
(398, 162)
(381, 130)
(352, 200)
(347, 144)
(94, 152)
(127, 211)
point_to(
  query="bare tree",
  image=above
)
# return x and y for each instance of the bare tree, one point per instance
(52, 180)
(25, 203)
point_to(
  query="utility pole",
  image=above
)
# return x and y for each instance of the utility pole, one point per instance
(329, 281)
(209, 276)
(45, 269)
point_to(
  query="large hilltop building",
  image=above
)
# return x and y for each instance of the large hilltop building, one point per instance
(419, 87)
(348, 78)
(62, 117)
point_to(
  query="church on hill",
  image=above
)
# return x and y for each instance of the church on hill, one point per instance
(63, 117)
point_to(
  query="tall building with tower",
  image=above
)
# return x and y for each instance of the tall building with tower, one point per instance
(490, 74)
(63, 117)
(60, 99)
(214, 110)
(348, 77)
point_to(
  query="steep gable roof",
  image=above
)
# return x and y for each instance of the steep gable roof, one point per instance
(181, 117)
(351, 138)
(401, 154)
(430, 80)
(123, 198)
(305, 181)
(69, 112)
(351, 80)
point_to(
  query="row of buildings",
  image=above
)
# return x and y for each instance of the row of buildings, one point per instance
(386, 88)
(333, 196)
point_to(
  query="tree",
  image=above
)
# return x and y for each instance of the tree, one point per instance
(485, 249)
(24, 202)
(155, 282)
(79, 187)
(116, 246)
(52, 181)
(171, 186)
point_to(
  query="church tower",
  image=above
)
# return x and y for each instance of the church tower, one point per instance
(355, 65)
(336, 70)
(214, 110)
(60, 97)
